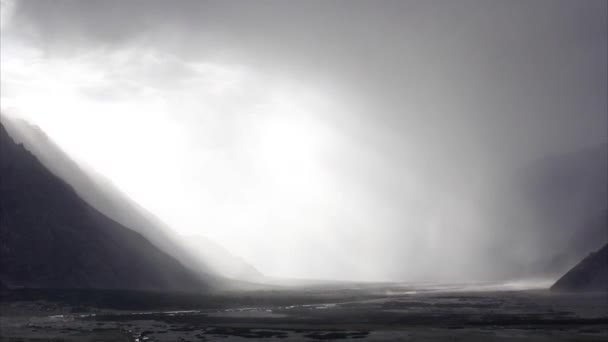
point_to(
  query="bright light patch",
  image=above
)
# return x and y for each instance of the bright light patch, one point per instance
(217, 150)
(290, 144)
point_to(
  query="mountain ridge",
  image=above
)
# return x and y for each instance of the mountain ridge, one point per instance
(51, 238)
(102, 194)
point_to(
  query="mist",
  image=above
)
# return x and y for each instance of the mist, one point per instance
(375, 141)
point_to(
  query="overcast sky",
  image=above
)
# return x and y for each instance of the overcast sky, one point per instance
(323, 139)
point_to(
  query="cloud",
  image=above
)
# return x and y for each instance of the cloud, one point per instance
(423, 110)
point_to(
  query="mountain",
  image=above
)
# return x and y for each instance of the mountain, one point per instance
(103, 195)
(590, 275)
(52, 238)
(221, 260)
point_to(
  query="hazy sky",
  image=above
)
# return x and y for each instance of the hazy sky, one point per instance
(325, 139)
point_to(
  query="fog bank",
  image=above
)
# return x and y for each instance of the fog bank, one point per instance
(393, 140)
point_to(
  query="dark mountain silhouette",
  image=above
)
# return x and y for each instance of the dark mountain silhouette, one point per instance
(590, 275)
(104, 196)
(50, 237)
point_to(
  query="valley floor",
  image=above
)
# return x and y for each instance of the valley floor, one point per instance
(372, 312)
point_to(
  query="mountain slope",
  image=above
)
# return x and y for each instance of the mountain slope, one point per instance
(50, 237)
(104, 196)
(591, 274)
(221, 260)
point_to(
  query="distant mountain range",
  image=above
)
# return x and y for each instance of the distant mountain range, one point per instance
(50, 237)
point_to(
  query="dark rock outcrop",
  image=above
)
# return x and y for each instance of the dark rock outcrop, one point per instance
(590, 275)
(50, 237)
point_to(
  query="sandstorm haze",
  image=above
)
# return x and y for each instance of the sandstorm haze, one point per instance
(360, 140)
